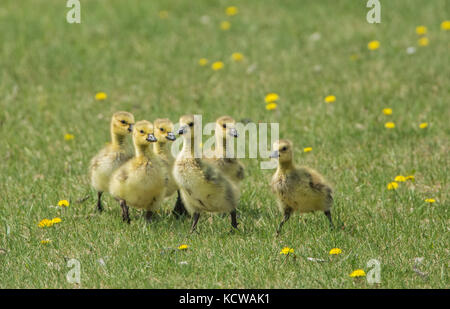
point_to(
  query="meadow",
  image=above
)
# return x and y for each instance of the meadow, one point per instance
(145, 56)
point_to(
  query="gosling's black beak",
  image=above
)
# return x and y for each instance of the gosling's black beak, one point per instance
(275, 154)
(151, 138)
(130, 128)
(170, 136)
(182, 130)
(233, 132)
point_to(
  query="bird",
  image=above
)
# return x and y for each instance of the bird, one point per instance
(224, 160)
(165, 136)
(112, 156)
(300, 188)
(203, 187)
(142, 181)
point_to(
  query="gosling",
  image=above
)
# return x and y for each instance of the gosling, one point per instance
(165, 136)
(203, 188)
(112, 156)
(298, 188)
(142, 181)
(231, 167)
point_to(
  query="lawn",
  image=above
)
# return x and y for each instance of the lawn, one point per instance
(145, 56)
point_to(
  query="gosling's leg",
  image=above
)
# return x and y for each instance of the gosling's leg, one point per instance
(195, 221)
(328, 214)
(125, 214)
(99, 201)
(287, 215)
(179, 209)
(234, 223)
(149, 216)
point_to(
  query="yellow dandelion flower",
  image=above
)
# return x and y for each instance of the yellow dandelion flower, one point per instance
(430, 200)
(354, 57)
(69, 137)
(45, 241)
(218, 65)
(183, 247)
(389, 125)
(392, 185)
(387, 111)
(271, 97)
(237, 57)
(445, 25)
(225, 25)
(56, 220)
(410, 177)
(421, 30)
(358, 273)
(286, 250)
(63, 203)
(271, 106)
(423, 41)
(307, 149)
(231, 10)
(373, 45)
(330, 99)
(45, 223)
(335, 251)
(101, 96)
(423, 125)
(163, 14)
(400, 178)
(203, 62)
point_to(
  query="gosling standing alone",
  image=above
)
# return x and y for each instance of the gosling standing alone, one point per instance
(203, 188)
(112, 156)
(231, 167)
(298, 188)
(164, 135)
(141, 182)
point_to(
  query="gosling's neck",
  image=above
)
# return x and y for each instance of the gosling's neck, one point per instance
(161, 148)
(189, 148)
(221, 147)
(143, 151)
(285, 166)
(117, 139)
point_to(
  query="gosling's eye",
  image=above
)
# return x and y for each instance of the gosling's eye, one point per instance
(142, 131)
(123, 121)
(161, 129)
(224, 126)
(191, 124)
(284, 148)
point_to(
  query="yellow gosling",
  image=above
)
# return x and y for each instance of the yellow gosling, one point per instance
(112, 156)
(142, 181)
(162, 148)
(203, 188)
(231, 167)
(298, 188)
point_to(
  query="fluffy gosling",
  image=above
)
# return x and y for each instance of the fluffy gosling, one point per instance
(165, 136)
(203, 188)
(231, 167)
(298, 188)
(112, 156)
(141, 182)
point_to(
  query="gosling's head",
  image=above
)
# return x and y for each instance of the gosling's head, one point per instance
(186, 125)
(143, 133)
(226, 126)
(122, 123)
(164, 130)
(283, 151)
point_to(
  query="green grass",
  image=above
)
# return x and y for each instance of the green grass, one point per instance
(51, 70)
